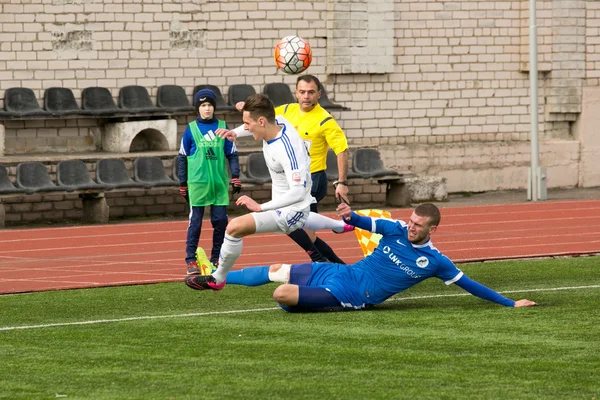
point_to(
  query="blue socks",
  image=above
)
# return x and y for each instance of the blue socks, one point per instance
(253, 276)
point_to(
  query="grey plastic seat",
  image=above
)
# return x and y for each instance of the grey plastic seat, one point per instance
(33, 177)
(150, 171)
(73, 175)
(22, 102)
(113, 172)
(279, 93)
(175, 169)
(136, 99)
(256, 169)
(61, 102)
(332, 170)
(99, 101)
(239, 92)
(326, 103)
(221, 104)
(368, 164)
(173, 98)
(6, 186)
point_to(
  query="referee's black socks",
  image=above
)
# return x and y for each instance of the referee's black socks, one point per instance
(327, 252)
(303, 240)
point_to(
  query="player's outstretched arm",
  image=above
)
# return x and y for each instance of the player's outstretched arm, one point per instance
(481, 291)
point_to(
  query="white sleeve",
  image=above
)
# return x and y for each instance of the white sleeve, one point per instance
(292, 196)
(241, 132)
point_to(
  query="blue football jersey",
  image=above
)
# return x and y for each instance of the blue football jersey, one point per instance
(395, 265)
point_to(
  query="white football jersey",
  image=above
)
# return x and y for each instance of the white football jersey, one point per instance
(288, 161)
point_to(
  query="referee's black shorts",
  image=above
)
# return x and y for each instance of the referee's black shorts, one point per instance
(319, 188)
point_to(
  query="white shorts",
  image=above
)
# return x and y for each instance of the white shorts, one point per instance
(283, 220)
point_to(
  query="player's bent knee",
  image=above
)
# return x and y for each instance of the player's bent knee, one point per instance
(241, 226)
(286, 295)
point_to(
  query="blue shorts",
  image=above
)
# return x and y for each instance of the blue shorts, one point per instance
(337, 279)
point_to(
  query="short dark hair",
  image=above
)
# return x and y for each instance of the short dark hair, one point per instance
(429, 211)
(259, 105)
(308, 79)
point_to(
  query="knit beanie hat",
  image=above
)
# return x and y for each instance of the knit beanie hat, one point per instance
(203, 96)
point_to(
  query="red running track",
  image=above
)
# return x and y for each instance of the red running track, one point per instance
(139, 253)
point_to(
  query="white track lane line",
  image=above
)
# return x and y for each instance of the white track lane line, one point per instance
(150, 317)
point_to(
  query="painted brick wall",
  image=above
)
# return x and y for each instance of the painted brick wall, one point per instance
(458, 80)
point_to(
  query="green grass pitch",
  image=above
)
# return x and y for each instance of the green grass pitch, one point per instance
(165, 341)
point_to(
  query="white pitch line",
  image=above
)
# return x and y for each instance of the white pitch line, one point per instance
(150, 317)
(147, 317)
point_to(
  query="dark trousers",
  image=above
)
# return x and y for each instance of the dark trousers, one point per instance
(218, 219)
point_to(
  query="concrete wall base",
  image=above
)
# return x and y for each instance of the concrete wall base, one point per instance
(157, 135)
(95, 208)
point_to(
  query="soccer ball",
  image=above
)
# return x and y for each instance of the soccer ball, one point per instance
(293, 55)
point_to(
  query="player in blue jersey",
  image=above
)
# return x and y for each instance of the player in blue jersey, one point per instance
(404, 257)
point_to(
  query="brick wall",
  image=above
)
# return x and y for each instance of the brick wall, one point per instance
(458, 77)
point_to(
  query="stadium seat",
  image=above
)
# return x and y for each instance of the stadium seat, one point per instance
(136, 99)
(332, 168)
(239, 93)
(99, 101)
(173, 98)
(279, 93)
(113, 172)
(221, 104)
(22, 102)
(150, 171)
(367, 163)
(256, 169)
(73, 175)
(175, 169)
(33, 177)
(325, 102)
(6, 186)
(61, 102)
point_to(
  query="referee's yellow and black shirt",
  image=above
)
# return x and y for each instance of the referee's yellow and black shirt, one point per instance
(319, 129)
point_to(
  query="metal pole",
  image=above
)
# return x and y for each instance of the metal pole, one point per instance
(533, 84)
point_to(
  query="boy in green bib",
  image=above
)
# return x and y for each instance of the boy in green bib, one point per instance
(204, 180)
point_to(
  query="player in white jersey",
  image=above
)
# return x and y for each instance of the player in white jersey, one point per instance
(288, 161)
(404, 257)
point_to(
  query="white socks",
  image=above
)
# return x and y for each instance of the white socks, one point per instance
(230, 252)
(317, 222)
